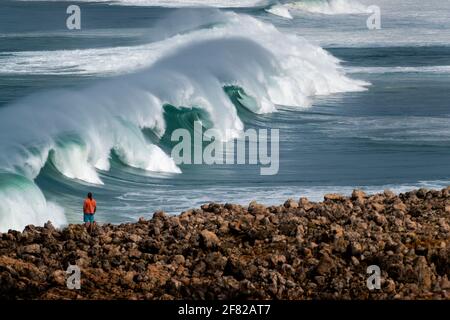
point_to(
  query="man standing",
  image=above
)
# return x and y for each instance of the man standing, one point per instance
(89, 209)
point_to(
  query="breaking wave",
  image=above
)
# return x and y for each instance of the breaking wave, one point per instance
(77, 131)
(22, 203)
(280, 10)
(328, 7)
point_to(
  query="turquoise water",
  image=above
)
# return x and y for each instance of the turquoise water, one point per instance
(67, 98)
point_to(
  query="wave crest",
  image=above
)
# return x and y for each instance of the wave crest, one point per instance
(327, 7)
(22, 203)
(79, 129)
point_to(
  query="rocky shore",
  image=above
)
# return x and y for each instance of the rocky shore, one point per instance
(298, 250)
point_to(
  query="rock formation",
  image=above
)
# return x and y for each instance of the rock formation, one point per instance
(299, 250)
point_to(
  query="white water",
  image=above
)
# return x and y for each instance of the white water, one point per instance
(326, 7)
(78, 129)
(403, 23)
(278, 69)
(269, 195)
(280, 10)
(329, 7)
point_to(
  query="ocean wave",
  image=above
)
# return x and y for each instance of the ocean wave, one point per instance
(329, 7)
(22, 203)
(78, 130)
(326, 7)
(280, 10)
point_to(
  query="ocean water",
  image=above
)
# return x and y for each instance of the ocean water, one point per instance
(93, 109)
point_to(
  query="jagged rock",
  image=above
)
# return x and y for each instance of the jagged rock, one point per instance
(356, 248)
(379, 207)
(159, 215)
(291, 204)
(380, 219)
(359, 195)
(400, 206)
(334, 197)
(424, 273)
(142, 220)
(389, 194)
(209, 238)
(134, 237)
(255, 208)
(32, 249)
(59, 277)
(305, 204)
(326, 265)
(49, 225)
(179, 259)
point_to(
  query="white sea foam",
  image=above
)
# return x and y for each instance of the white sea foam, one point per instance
(174, 201)
(277, 68)
(328, 7)
(403, 23)
(22, 203)
(72, 161)
(78, 129)
(280, 10)
(308, 68)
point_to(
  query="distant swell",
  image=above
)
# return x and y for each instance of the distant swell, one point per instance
(382, 70)
(179, 3)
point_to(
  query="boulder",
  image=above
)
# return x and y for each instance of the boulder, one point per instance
(334, 197)
(209, 239)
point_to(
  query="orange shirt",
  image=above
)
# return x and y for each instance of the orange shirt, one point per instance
(89, 206)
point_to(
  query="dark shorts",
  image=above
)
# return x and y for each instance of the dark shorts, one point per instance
(88, 218)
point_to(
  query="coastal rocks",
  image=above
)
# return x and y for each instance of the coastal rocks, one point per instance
(399, 206)
(291, 204)
(298, 250)
(334, 197)
(209, 239)
(32, 249)
(305, 204)
(326, 265)
(378, 207)
(359, 196)
(253, 208)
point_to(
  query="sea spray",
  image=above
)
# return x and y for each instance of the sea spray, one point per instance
(22, 203)
(78, 130)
